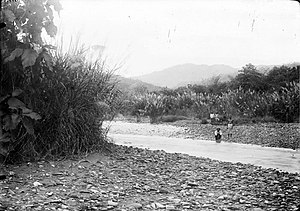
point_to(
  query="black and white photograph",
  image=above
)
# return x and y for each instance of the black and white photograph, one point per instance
(128, 105)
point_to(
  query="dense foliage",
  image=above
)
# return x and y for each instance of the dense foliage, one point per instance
(273, 95)
(51, 103)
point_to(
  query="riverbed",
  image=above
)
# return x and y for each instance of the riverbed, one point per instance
(169, 138)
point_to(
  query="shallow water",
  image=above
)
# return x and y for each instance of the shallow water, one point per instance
(268, 157)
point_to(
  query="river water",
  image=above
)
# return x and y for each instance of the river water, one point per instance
(267, 157)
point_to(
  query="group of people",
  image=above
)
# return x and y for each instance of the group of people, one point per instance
(218, 132)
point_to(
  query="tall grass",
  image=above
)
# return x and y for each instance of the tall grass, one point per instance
(73, 96)
(245, 105)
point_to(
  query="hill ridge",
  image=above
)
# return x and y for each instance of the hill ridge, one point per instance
(182, 74)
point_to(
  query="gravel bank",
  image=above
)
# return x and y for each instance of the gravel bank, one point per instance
(122, 127)
(270, 135)
(138, 179)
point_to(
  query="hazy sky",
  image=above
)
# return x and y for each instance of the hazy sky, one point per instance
(150, 35)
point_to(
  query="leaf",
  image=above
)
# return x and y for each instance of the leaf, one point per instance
(15, 120)
(15, 53)
(3, 98)
(28, 124)
(15, 103)
(49, 11)
(51, 29)
(3, 150)
(17, 92)
(26, 110)
(7, 123)
(36, 184)
(50, 47)
(10, 15)
(33, 115)
(29, 57)
(37, 38)
(48, 59)
(56, 4)
(4, 140)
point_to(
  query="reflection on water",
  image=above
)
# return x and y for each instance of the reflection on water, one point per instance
(281, 159)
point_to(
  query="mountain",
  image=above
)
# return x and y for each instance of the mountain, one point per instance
(128, 85)
(181, 75)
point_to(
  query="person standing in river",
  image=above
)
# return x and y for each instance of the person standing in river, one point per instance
(229, 127)
(218, 135)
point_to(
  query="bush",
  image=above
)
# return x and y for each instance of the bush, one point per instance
(204, 121)
(74, 98)
(242, 120)
(23, 56)
(265, 119)
(172, 118)
(51, 104)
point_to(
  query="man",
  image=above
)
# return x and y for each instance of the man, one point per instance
(218, 135)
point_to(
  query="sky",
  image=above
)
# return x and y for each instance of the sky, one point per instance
(143, 36)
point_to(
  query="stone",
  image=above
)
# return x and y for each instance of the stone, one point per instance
(135, 206)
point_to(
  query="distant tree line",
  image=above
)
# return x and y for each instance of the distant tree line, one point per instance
(250, 78)
(251, 94)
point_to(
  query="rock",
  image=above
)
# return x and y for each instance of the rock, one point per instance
(176, 201)
(170, 207)
(111, 203)
(36, 184)
(207, 184)
(160, 206)
(2, 175)
(135, 206)
(64, 206)
(192, 184)
(222, 197)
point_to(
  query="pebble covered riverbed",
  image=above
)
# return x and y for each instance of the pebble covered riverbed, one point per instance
(270, 135)
(130, 178)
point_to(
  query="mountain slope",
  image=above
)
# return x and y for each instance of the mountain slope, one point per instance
(186, 73)
(128, 85)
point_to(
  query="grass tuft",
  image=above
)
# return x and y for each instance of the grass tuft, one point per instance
(73, 97)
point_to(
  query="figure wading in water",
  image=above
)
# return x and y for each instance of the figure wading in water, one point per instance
(230, 127)
(218, 135)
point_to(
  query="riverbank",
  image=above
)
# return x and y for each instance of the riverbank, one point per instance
(281, 135)
(138, 179)
(127, 178)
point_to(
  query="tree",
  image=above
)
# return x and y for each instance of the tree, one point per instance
(215, 86)
(140, 89)
(249, 78)
(22, 47)
(197, 88)
(279, 77)
(24, 55)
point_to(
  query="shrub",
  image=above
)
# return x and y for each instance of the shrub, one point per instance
(204, 121)
(172, 118)
(265, 119)
(73, 99)
(24, 55)
(242, 120)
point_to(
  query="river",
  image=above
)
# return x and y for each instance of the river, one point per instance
(267, 157)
